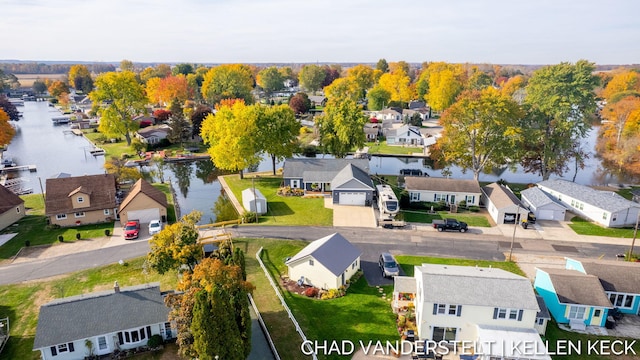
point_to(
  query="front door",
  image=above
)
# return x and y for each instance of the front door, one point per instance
(452, 199)
(101, 345)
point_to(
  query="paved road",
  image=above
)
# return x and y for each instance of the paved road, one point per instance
(370, 241)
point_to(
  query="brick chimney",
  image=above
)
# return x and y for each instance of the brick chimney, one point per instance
(116, 287)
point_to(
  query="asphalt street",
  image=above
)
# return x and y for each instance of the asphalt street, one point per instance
(371, 241)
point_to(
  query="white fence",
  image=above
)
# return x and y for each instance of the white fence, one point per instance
(264, 328)
(284, 305)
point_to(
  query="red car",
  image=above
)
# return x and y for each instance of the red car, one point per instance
(132, 229)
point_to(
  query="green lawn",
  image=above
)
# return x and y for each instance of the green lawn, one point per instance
(408, 262)
(283, 210)
(584, 227)
(472, 219)
(383, 148)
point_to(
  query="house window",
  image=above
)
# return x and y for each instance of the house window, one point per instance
(310, 262)
(80, 199)
(596, 313)
(576, 312)
(415, 196)
(68, 347)
(470, 199)
(61, 216)
(79, 214)
(621, 300)
(445, 309)
(132, 336)
(604, 216)
(505, 313)
(102, 343)
(540, 321)
(446, 334)
(513, 314)
(440, 197)
(355, 263)
(442, 308)
(18, 210)
(502, 313)
(107, 212)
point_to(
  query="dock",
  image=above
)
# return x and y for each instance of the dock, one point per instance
(76, 132)
(31, 168)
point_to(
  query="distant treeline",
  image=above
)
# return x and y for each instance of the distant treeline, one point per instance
(41, 68)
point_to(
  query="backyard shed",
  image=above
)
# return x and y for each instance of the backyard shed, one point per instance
(253, 200)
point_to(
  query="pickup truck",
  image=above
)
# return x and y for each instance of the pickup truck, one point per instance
(450, 224)
(132, 229)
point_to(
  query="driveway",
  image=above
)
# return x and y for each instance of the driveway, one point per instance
(352, 216)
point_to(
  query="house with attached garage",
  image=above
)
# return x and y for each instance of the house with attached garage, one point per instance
(473, 304)
(603, 207)
(346, 180)
(451, 191)
(543, 206)
(77, 200)
(117, 319)
(11, 207)
(325, 263)
(405, 135)
(620, 281)
(503, 205)
(573, 297)
(143, 203)
(153, 134)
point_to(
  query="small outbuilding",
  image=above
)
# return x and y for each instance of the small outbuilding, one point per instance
(253, 200)
(503, 205)
(542, 205)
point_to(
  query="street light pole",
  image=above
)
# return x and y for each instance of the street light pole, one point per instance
(633, 242)
(515, 226)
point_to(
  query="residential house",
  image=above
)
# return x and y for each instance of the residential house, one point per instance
(76, 200)
(542, 317)
(143, 203)
(11, 207)
(116, 319)
(573, 297)
(417, 104)
(325, 263)
(423, 112)
(145, 120)
(543, 206)
(473, 304)
(503, 205)
(153, 134)
(603, 207)
(451, 191)
(405, 135)
(347, 180)
(372, 131)
(620, 281)
(391, 115)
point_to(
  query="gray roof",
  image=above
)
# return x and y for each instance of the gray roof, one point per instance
(442, 184)
(404, 284)
(350, 172)
(606, 200)
(467, 285)
(80, 317)
(538, 198)
(323, 169)
(501, 196)
(404, 129)
(621, 277)
(333, 251)
(544, 312)
(575, 287)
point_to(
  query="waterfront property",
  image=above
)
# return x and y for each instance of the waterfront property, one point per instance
(451, 191)
(117, 319)
(143, 203)
(543, 206)
(11, 207)
(77, 200)
(503, 205)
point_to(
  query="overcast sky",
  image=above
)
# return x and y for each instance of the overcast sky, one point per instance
(295, 31)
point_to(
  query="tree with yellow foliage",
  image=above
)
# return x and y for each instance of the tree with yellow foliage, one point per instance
(398, 85)
(625, 81)
(445, 81)
(228, 81)
(6, 130)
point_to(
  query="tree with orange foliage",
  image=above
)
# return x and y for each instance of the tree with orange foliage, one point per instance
(626, 81)
(618, 113)
(57, 87)
(6, 130)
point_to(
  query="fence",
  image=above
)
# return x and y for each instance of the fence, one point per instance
(264, 328)
(286, 308)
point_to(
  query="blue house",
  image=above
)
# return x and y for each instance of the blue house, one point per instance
(573, 297)
(620, 281)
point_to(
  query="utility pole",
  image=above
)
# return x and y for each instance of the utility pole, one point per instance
(515, 226)
(633, 242)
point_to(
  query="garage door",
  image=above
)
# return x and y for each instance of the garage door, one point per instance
(545, 214)
(145, 216)
(352, 198)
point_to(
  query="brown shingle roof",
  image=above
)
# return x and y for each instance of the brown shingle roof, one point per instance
(620, 277)
(100, 188)
(441, 184)
(142, 186)
(575, 287)
(501, 196)
(8, 200)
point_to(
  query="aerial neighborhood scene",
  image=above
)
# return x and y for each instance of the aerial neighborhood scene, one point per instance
(319, 180)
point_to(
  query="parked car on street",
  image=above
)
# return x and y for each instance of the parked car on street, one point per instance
(132, 229)
(155, 226)
(388, 265)
(450, 224)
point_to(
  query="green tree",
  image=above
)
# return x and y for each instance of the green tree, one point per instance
(180, 127)
(270, 80)
(122, 98)
(340, 127)
(382, 65)
(122, 173)
(39, 86)
(176, 245)
(184, 69)
(230, 135)
(343, 88)
(229, 81)
(80, 78)
(278, 132)
(478, 80)
(559, 97)
(127, 65)
(378, 98)
(480, 130)
(311, 77)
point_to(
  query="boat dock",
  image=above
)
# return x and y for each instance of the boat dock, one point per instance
(76, 132)
(31, 168)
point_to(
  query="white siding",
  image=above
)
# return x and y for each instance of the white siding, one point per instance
(428, 195)
(319, 276)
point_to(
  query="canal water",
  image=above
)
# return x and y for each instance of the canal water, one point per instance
(54, 150)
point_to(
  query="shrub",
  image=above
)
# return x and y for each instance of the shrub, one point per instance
(107, 232)
(27, 243)
(60, 238)
(332, 294)
(311, 292)
(78, 236)
(155, 341)
(249, 217)
(402, 321)
(53, 226)
(474, 208)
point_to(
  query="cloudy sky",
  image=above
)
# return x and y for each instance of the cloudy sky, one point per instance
(258, 31)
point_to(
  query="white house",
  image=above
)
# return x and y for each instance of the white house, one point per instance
(153, 134)
(542, 205)
(451, 191)
(603, 207)
(117, 319)
(542, 317)
(253, 200)
(503, 205)
(405, 135)
(473, 304)
(326, 263)
(389, 115)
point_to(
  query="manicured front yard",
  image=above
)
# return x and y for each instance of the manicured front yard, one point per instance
(283, 210)
(408, 262)
(383, 148)
(472, 219)
(584, 227)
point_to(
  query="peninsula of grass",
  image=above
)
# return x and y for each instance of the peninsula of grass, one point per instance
(584, 227)
(407, 263)
(282, 210)
(472, 219)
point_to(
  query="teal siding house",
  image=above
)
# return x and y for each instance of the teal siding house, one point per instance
(573, 297)
(620, 281)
